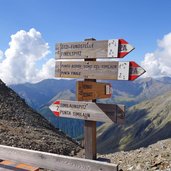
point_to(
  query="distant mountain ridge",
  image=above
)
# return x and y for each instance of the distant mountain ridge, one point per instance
(127, 92)
(42, 94)
(146, 123)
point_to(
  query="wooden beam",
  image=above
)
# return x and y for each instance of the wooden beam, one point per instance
(53, 161)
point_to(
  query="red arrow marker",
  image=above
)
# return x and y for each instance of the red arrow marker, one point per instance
(124, 48)
(135, 70)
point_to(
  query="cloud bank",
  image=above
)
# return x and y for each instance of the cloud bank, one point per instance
(158, 63)
(20, 62)
(1, 55)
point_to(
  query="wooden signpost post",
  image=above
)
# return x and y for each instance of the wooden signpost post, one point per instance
(89, 90)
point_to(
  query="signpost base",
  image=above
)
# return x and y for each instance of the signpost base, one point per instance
(90, 140)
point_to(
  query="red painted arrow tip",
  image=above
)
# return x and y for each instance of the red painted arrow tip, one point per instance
(56, 113)
(134, 74)
(133, 64)
(122, 41)
(57, 102)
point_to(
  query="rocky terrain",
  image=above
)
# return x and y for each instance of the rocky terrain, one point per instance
(20, 126)
(155, 157)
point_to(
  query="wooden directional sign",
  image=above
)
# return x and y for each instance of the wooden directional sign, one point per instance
(88, 111)
(112, 70)
(115, 48)
(92, 90)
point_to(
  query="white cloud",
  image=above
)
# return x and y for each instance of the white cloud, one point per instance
(20, 61)
(1, 55)
(158, 63)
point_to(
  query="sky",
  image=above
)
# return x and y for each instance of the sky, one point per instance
(29, 30)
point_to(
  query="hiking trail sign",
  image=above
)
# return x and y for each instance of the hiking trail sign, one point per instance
(112, 70)
(114, 48)
(69, 64)
(87, 90)
(88, 111)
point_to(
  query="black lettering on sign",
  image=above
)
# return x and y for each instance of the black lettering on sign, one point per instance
(81, 115)
(87, 66)
(74, 53)
(63, 46)
(76, 66)
(75, 73)
(96, 66)
(108, 66)
(76, 106)
(122, 48)
(86, 86)
(134, 71)
(65, 65)
(65, 73)
(65, 112)
(87, 94)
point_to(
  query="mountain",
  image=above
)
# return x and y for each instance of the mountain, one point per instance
(42, 94)
(38, 94)
(146, 123)
(23, 127)
(126, 92)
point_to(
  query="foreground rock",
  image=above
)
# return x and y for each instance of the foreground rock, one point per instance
(20, 126)
(154, 157)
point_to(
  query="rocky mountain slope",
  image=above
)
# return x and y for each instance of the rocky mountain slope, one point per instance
(20, 126)
(155, 157)
(146, 123)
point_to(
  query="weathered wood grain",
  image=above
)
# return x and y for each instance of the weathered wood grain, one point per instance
(53, 161)
(88, 111)
(93, 70)
(87, 90)
(114, 48)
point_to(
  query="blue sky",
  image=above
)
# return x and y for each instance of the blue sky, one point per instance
(141, 23)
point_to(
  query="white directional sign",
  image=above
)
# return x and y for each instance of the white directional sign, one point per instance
(112, 70)
(88, 111)
(114, 48)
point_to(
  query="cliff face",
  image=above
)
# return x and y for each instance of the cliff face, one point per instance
(20, 126)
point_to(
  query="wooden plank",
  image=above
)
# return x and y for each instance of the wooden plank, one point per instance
(114, 48)
(10, 165)
(87, 90)
(112, 70)
(88, 111)
(53, 161)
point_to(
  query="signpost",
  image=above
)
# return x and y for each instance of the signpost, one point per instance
(114, 48)
(89, 111)
(87, 90)
(112, 70)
